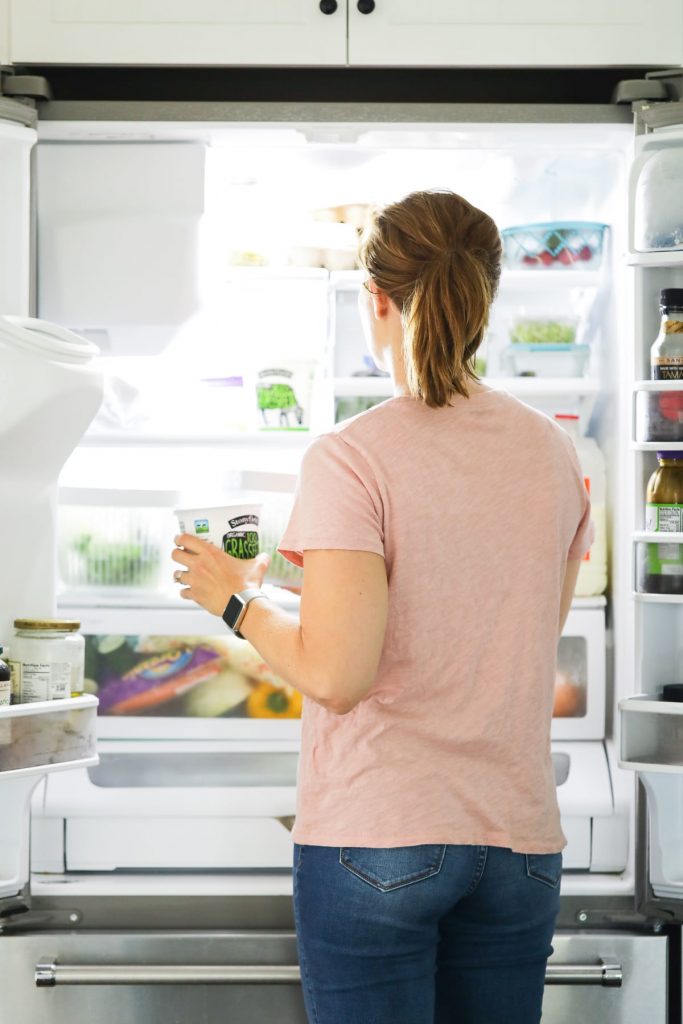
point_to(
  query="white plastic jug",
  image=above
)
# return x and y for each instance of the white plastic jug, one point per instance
(593, 572)
(50, 389)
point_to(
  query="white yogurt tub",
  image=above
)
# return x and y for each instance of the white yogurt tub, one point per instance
(233, 528)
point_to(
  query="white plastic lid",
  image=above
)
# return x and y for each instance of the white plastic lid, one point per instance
(45, 339)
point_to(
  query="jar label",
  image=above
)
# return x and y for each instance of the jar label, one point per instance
(664, 559)
(45, 680)
(663, 518)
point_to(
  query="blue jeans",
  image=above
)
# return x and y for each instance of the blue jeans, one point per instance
(424, 934)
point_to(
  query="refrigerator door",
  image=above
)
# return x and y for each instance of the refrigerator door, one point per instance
(17, 139)
(650, 728)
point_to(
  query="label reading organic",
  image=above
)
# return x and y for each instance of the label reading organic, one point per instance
(241, 544)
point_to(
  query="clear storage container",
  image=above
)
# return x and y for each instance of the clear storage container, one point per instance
(115, 547)
(519, 360)
(557, 245)
(658, 201)
(659, 411)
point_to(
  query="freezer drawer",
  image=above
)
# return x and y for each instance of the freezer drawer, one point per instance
(172, 978)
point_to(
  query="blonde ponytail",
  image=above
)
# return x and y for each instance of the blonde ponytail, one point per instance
(438, 259)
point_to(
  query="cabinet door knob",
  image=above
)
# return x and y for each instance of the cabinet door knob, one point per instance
(328, 6)
(366, 6)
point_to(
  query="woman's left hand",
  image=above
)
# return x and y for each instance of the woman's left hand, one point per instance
(211, 576)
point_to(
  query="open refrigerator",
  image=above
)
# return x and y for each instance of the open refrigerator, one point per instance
(195, 254)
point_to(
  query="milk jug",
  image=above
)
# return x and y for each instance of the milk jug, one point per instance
(593, 572)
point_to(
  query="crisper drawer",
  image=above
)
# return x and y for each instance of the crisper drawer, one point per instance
(252, 978)
(579, 710)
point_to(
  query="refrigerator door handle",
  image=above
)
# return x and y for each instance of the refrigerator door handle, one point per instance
(50, 973)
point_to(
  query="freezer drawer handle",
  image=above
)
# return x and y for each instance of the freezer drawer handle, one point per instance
(604, 973)
(50, 973)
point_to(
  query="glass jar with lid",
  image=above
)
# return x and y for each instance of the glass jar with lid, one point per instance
(47, 659)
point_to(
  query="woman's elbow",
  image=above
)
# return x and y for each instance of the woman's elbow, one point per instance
(341, 696)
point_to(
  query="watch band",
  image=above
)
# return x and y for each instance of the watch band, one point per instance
(236, 609)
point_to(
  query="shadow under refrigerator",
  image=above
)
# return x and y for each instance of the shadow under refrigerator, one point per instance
(197, 254)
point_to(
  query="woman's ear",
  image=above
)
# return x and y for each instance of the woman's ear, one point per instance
(380, 304)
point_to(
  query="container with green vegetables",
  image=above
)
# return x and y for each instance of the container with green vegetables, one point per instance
(543, 330)
(114, 548)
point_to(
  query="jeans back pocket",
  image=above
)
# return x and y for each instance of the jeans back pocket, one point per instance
(392, 867)
(545, 867)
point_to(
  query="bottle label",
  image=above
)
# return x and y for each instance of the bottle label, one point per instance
(664, 559)
(15, 672)
(5, 692)
(667, 368)
(45, 680)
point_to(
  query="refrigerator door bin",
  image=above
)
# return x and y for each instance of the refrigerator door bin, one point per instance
(659, 558)
(46, 736)
(652, 745)
(659, 410)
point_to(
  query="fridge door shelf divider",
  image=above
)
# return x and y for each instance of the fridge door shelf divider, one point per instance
(657, 446)
(644, 598)
(662, 537)
(658, 385)
(672, 258)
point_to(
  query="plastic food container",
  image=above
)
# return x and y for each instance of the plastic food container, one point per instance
(519, 360)
(122, 548)
(659, 566)
(568, 245)
(546, 330)
(658, 202)
(659, 411)
(234, 528)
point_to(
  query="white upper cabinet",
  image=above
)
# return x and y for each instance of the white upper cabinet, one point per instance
(219, 32)
(499, 33)
(400, 33)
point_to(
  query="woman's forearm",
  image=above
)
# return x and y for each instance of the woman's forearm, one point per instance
(278, 638)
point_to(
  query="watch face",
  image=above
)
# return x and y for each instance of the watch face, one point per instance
(232, 612)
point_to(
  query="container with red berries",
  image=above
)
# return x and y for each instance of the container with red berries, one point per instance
(559, 245)
(659, 410)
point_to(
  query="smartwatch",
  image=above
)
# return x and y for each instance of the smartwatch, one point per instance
(236, 609)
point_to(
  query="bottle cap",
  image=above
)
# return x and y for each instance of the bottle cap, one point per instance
(672, 691)
(675, 456)
(671, 298)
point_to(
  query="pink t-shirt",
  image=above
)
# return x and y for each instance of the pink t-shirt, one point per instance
(475, 508)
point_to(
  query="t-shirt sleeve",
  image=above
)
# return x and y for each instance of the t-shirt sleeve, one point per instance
(337, 504)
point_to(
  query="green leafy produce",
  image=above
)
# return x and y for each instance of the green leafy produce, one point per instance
(543, 332)
(114, 563)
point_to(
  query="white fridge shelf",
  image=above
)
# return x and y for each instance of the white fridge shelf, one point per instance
(657, 446)
(655, 259)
